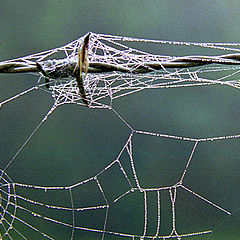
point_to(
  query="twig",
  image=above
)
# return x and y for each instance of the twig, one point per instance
(65, 67)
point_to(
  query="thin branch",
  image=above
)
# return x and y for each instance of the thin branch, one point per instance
(65, 67)
(17, 67)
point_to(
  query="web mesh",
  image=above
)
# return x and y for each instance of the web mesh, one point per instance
(116, 70)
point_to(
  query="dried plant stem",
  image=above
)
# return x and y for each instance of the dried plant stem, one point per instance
(67, 67)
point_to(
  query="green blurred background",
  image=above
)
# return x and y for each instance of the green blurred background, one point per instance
(76, 143)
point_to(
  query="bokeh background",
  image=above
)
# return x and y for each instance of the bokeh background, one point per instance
(76, 143)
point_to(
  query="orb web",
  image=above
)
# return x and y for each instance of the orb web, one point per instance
(94, 205)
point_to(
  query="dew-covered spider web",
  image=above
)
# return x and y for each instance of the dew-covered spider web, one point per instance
(154, 154)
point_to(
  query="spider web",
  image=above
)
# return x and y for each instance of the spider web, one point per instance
(91, 208)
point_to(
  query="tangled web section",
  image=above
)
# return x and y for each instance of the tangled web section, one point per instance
(116, 69)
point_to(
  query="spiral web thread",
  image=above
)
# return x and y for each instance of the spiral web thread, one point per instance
(102, 89)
